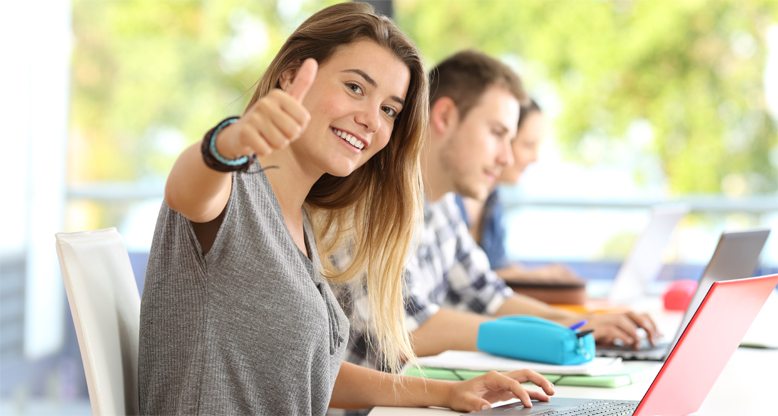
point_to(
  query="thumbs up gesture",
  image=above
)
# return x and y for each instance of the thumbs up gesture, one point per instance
(273, 122)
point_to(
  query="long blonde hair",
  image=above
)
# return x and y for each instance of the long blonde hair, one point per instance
(375, 211)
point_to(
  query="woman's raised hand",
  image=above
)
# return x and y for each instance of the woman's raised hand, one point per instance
(273, 122)
(480, 392)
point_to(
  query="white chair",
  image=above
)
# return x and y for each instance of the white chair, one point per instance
(105, 305)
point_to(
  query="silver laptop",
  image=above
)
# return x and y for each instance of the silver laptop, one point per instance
(737, 254)
(644, 261)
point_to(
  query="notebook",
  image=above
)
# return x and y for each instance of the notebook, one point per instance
(694, 364)
(642, 265)
(482, 361)
(736, 254)
(630, 373)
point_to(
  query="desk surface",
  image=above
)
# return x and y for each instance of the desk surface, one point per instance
(746, 386)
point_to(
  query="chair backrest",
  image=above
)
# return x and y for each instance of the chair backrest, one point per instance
(105, 305)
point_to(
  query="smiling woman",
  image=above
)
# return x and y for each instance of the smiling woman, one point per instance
(237, 316)
(361, 104)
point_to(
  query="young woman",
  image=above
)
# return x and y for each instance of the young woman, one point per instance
(237, 316)
(484, 218)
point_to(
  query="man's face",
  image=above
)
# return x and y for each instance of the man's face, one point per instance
(479, 146)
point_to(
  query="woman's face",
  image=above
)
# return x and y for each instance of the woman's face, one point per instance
(525, 147)
(354, 101)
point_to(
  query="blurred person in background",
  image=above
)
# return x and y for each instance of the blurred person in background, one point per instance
(485, 218)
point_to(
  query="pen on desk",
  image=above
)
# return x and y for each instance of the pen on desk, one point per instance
(578, 325)
(584, 333)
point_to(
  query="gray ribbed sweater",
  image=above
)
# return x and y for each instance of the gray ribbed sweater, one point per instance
(250, 328)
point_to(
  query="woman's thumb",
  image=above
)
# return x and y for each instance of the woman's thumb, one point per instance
(303, 79)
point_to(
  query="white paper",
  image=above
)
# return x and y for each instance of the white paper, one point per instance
(481, 361)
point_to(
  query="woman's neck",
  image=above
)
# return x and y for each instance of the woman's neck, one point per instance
(289, 180)
(291, 184)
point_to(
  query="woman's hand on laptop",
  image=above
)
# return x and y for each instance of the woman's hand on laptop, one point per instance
(621, 326)
(480, 392)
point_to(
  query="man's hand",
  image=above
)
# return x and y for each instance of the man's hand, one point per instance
(621, 326)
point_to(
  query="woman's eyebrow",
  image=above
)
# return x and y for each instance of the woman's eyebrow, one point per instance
(372, 82)
(362, 73)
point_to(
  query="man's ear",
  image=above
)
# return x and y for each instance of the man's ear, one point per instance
(286, 78)
(444, 115)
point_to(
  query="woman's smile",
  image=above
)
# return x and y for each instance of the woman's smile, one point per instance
(355, 142)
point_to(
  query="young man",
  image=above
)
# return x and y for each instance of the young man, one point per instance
(451, 289)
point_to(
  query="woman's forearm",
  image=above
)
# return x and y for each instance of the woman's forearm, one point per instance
(193, 189)
(359, 388)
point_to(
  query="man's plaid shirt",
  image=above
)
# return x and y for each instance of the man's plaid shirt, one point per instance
(448, 270)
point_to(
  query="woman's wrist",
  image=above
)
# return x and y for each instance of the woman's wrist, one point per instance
(446, 394)
(429, 392)
(222, 145)
(216, 160)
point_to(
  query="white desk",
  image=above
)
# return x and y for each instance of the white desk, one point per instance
(747, 386)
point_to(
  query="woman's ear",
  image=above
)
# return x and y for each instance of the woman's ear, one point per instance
(286, 78)
(443, 115)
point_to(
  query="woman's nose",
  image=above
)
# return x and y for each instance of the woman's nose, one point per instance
(370, 118)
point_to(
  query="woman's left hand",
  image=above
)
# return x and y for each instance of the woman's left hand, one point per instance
(480, 392)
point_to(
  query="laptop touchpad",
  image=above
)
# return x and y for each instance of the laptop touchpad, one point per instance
(556, 403)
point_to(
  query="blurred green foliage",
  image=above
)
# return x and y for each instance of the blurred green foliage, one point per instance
(692, 69)
(149, 77)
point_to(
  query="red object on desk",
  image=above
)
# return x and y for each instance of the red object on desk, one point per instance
(678, 295)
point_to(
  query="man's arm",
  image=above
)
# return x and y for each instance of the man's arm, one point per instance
(607, 327)
(447, 330)
(470, 283)
(454, 330)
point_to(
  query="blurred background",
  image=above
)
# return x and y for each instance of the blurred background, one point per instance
(650, 102)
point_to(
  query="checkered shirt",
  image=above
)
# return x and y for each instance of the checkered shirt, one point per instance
(448, 270)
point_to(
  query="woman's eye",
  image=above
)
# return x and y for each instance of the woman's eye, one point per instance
(355, 88)
(391, 112)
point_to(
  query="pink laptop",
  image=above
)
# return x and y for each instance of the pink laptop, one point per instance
(692, 367)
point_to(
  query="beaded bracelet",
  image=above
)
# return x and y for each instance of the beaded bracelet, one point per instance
(213, 159)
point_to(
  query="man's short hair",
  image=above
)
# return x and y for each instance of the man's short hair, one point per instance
(465, 76)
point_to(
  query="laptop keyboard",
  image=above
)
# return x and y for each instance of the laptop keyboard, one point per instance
(645, 351)
(594, 408)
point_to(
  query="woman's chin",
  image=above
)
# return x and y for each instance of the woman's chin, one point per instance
(341, 171)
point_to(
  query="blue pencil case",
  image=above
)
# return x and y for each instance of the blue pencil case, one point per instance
(535, 339)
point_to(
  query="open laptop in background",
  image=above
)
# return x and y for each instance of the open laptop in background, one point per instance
(736, 254)
(644, 261)
(694, 364)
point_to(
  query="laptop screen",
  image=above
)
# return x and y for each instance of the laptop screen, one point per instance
(706, 345)
(736, 256)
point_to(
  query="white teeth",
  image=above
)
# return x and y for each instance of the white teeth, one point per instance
(349, 138)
